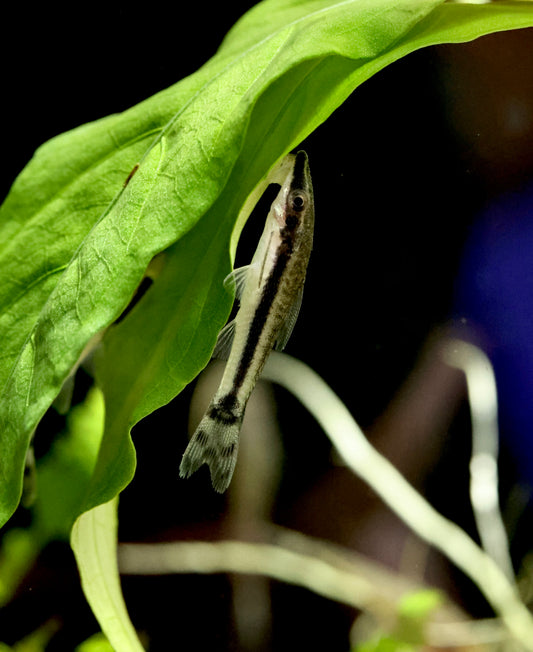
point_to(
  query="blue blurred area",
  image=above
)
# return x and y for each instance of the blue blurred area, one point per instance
(494, 302)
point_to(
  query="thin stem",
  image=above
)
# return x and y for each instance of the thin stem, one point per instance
(326, 569)
(482, 396)
(401, 497)
(274, 561)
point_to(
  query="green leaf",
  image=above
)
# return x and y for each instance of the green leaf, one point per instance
(97, 643)
(66, 471)
(94, 542)
(384, 644)
(63, 475)
(414, 611)
(419, 604)
(77, 230)
(37, 641)
(17, 553)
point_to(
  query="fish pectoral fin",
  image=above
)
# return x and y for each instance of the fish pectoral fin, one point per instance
(224, 341)
(235, 281)
(290, 320)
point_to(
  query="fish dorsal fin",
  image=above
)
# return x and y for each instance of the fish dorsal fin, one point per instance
(224, 341)
(235, 281)
(290, 320)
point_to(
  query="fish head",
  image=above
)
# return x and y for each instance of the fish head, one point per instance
(297, 192)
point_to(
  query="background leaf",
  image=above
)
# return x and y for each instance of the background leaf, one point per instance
(63, 475)
(97, 643)
(76, 242)
(65, 472)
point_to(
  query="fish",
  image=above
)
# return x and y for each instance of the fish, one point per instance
(269, 291)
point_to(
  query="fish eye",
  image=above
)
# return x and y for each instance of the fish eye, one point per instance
(298, 202)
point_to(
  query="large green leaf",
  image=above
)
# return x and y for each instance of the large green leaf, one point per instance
(75, 238)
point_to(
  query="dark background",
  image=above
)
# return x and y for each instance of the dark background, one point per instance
(401, 172)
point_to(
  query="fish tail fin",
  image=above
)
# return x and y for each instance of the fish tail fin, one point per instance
(215, 443)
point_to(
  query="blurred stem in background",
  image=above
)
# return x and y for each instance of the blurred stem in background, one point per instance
(387, 482)
(482, 396)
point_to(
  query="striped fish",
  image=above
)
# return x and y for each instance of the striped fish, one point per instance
(270, 292)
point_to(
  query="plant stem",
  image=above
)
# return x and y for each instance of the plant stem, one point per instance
(399, 495)
(482, 396)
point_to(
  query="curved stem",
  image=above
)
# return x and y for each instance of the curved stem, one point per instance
(402, 498)
(483, 399)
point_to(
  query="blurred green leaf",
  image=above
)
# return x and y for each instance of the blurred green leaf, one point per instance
(63, 476)
(34, 642)
(66, 471)
(385, 644)
(420, 604)
(414, 611)
(17, 553)
(97, 643)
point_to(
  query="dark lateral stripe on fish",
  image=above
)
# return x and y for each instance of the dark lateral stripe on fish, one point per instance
(261, 314)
